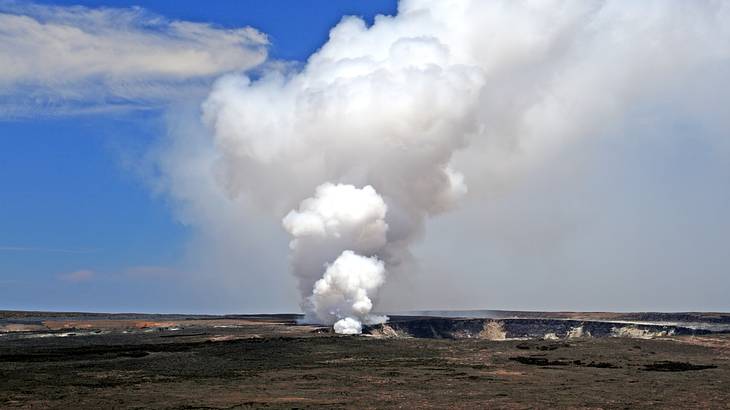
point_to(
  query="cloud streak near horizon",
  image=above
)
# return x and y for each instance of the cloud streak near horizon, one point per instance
(43, 249)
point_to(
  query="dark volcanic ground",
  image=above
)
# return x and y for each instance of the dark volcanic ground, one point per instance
(177, 361)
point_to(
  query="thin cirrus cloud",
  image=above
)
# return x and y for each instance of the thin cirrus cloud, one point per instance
(58, 60)
(82, 275)
(142, 271)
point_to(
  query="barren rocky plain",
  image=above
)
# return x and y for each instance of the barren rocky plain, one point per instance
(477, 359)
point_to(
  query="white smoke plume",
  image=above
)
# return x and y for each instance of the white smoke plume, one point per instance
(343, 295)
(337, 222)
(491, 88)
(371, 107)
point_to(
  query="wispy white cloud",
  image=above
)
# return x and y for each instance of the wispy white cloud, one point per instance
(75, 59)
(137, 271)
(82, 275)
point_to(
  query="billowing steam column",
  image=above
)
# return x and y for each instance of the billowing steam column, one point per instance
(338, 235)
(385, 105)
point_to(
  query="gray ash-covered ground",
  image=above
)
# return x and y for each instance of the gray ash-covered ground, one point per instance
(179, 361)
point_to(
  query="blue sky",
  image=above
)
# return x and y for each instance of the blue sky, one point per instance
(69, 200)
